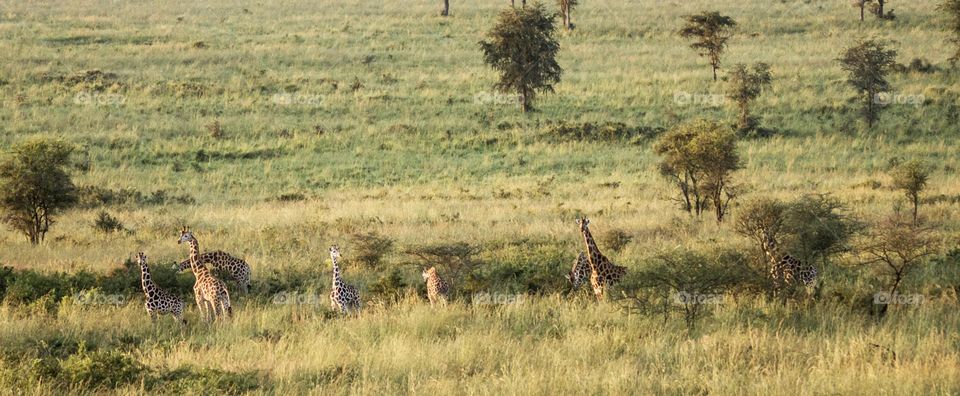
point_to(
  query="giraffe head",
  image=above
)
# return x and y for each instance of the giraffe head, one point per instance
(141, 259)
(185, 235)
(769, 242)
(427, 271)
(335, 252)
(583, 222)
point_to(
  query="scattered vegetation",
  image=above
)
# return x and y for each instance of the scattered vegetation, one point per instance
(106, 223)
(386, 133)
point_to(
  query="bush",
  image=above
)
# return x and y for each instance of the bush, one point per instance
(688, 282)
(813, 227)
(603, 132)
(101, 368)
(192, 380)
(291, 197)
(106, 223)
(456, 260)
(28, 286)
(392, 285)
(370, 247)
(615, 239)
(95, 196)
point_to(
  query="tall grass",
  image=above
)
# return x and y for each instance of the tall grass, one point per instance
(422, 154)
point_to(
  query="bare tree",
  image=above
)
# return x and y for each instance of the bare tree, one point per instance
(899, 247)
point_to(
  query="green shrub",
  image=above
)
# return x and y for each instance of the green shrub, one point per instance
(615, 239)
(391, 285)
(603, 132)
(456, 261)
(687, 282)
(193, 380)
(101, 368)
(369, 248)
(106, 223)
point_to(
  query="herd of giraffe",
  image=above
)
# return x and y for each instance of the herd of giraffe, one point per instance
(213, 298)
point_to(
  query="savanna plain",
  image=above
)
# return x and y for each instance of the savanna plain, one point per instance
(275, 130)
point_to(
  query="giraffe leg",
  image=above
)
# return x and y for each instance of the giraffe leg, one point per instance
(200, 307)
(225, 301)
(178, 314)
(209, 314)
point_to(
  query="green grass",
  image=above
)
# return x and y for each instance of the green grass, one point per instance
(417, 154)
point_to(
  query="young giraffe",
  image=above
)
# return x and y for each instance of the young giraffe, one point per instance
(210, 292)
(603, 273)
(343, 297)
(580, 273)
(437, 288)
(158, 301)
(236, 268)
(784, 268)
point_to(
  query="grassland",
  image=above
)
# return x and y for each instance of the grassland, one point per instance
(341, 117)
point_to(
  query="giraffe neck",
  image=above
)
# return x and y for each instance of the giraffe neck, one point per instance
(145, 280)
(198, 269)
(592, 251)
(336, 272)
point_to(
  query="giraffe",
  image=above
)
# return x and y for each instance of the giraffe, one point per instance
(437, 289)
(343, 297)
(580, 273)
(603, 273)
(210, 292)
(158, 301)
(236, 268)
(784, 268)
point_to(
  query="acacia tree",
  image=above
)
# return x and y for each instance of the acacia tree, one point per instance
(446, 8)
(710, 32)
(952, 9)
(699, 158)
(868, 63)
(522, 48)
(35, 186)
(898, 247)
(810, 228)
(745, 86)
(566, 6)
(689, 282)
(911, 177)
